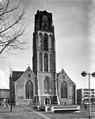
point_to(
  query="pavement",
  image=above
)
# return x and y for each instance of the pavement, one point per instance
(19, 112)
(23, 112)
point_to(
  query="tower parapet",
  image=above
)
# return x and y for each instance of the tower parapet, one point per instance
(43, 21)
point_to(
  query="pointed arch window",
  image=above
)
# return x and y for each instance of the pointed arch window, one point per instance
(47, 85)
(64, 89)
(46, 62)
(50, 41)
(29, 89)
(40, 61)
(40, 40)
(45, 42)
(51, 62)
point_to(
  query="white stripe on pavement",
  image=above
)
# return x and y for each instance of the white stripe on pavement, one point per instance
(38, 113)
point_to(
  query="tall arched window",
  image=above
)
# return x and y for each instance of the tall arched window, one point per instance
(47, 85)
(64, 89)
(50, 41)
(46, 62)
(46, 42)
(40, 61)
(29, 89)
(51, 62)
(40, 40)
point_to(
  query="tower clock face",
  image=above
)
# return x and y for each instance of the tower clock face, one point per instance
(45, 18)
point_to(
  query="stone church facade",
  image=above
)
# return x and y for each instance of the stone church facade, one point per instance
(42, 85)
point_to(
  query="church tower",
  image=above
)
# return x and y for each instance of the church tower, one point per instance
(44, 58)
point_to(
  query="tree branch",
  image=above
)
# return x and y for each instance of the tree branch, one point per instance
(12, 42)
(10, 27)
(20, 17)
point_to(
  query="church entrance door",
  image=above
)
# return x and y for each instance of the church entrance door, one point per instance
(47, 101)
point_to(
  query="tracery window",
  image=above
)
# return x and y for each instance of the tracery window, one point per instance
(64, 89)
(29, 89)
(47, 85)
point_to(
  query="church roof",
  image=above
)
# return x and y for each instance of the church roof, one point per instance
(16, 75)
(62, 72)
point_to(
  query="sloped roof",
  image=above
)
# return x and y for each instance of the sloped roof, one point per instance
(16, 75)
(28, 69)
(62, 72)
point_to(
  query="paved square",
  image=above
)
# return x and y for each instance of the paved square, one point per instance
(20, 112)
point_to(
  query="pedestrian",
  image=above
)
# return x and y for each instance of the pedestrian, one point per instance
(85, 106)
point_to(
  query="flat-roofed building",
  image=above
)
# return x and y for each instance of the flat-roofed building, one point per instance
(83, 95)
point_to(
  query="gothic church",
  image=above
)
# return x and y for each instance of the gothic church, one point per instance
(43, 85)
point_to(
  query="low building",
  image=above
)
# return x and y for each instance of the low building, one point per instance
(83, 95)
(4, 94)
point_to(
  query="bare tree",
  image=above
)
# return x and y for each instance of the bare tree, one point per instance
(11, 26)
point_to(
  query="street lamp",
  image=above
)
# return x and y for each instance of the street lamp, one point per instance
(93, 75)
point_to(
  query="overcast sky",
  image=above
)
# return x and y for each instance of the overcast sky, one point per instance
(74, 34)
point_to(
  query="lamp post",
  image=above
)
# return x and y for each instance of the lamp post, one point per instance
(93, 75)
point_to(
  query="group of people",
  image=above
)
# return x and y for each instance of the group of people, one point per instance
(5, 103)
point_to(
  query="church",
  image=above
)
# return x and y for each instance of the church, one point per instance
(42, 85)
